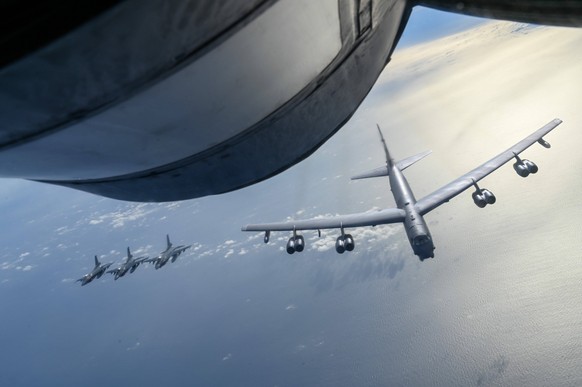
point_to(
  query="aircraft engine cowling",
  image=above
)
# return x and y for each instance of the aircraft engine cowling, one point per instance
(340, 244)
(349, 242)
(488, 196)
(299, 243)
(521, 169)
(291, 245)
(531, 166)
(479, 199)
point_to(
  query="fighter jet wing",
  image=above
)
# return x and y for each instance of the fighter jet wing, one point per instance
(140, 260)
(370, 218)
(449, 191)
(181, 249)
(152, 260)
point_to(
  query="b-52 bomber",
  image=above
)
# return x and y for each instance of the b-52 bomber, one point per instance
(130, 265)
(169, 254)
(97, 272)
(408, 210)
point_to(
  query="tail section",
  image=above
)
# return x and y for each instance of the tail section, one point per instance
(96, 261)
(169, 244)
(385, 169)
(389, 161)
(129, 256)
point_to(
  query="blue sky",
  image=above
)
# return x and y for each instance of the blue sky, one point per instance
(426, 24)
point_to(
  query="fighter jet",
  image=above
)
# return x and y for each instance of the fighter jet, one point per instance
(170, 253)
(130, 265)
(409, 211)
(97, 272)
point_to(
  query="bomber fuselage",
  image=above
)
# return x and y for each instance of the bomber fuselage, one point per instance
(414, 224)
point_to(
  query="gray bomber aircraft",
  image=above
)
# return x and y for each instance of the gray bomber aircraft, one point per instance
(97, 272)
(170, 253)
(130, 265)
(172, 100)
(408, 210)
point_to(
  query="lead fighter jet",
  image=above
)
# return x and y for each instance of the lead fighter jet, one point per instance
(169, 253)
(97, 272)
(408, 210)
(130, 265)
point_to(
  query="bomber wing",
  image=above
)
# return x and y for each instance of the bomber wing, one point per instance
(370, 218)
(455, 187)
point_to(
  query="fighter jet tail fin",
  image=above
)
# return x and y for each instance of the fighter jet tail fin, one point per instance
(96, 261)
(128, 254)
(169, 244)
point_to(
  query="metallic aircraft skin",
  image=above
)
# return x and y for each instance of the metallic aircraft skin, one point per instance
(96, 273)
(548, 12)
(171, 253)
(129, 265)
(408, 210)
(125, 123)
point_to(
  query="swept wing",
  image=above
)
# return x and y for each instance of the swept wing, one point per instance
(370, 218)
(455, 187)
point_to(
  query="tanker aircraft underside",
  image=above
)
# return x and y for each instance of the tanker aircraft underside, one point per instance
(154, 101)
(408, 210)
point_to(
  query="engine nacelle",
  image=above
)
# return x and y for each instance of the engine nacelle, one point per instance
(349, 242)
(299, 243)
(340, 244)
(291, 245)
(521, 169)
(479, 199)
(295, 244)
(531, 166)
(488, 196)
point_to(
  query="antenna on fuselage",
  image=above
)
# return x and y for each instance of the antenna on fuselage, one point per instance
(386, 152)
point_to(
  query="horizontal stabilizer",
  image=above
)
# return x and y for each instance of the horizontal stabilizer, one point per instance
(380, 171)
(407, 162)
(383, 171)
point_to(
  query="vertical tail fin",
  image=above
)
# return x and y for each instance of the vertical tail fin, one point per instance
(169, 244)
(129, 256)
(96, 261)
(389, 161)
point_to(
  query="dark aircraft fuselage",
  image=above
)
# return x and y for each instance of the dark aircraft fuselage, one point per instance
(160, 101)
